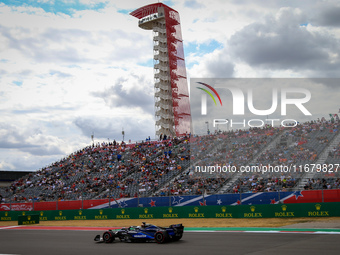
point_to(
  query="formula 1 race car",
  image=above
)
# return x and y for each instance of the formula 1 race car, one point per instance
(144, 233)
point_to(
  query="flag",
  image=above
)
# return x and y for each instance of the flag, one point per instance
(203, 203)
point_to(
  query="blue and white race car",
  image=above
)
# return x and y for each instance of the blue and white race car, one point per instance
(144, 233)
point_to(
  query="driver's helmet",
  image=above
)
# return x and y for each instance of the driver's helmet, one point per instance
(144, 225)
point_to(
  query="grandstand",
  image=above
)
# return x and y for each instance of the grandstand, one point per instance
(167, 167)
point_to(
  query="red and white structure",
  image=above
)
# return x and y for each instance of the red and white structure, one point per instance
(172, 107)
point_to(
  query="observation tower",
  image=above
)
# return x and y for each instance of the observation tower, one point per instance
(172, 106)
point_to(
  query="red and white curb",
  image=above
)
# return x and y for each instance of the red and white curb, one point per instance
(265, 232)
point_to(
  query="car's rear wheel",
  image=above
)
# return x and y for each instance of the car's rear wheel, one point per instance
(108, 237)
(161, 236)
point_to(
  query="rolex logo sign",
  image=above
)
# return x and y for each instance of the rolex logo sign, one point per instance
(42, 216)
(318, 212)
(100, 216)
(170, 214)
(224, 213)
(146, 214)
(122, 215)
(253, 214)
(80, 216)
(6, 217)
(28, 219)
(23, 213)
(196, 214)
(284, 212)
(60, 217)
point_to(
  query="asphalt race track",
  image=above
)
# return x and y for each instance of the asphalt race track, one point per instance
(61, 242)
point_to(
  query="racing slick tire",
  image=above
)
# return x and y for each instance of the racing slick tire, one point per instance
(108, 237)
(161, 237)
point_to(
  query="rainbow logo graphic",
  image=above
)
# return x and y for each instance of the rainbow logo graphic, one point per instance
(204, 98)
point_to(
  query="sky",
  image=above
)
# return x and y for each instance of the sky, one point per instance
(70, 69)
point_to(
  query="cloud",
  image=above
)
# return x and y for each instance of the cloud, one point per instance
(11, 137)
(91, 37)
(9, 160)
(32, 141)
(136, 128)
(41, 110)
(280, 43)
(129, 92)
(44, 150)
(219, 66)
(34, 46)
(213, 65)
(328, 16)
(193, 4)
(60, 74)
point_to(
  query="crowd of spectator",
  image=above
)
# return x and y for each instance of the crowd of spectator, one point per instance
(260, 183)
(335, 152)
(187, 184)
(101, 168)
(163, 167)
(322, 183)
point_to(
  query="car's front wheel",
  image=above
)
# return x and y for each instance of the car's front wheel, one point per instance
(108, 237)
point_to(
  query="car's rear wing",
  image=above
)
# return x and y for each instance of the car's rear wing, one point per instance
(176, 226)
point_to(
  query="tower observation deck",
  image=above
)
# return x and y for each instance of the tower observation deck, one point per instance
(172, 106)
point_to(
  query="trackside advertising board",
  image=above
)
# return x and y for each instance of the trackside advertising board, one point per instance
(238, 211)
(28, 219)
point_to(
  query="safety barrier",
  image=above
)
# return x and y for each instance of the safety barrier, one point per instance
(148, 213)
(28, 219)
(290, 197)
